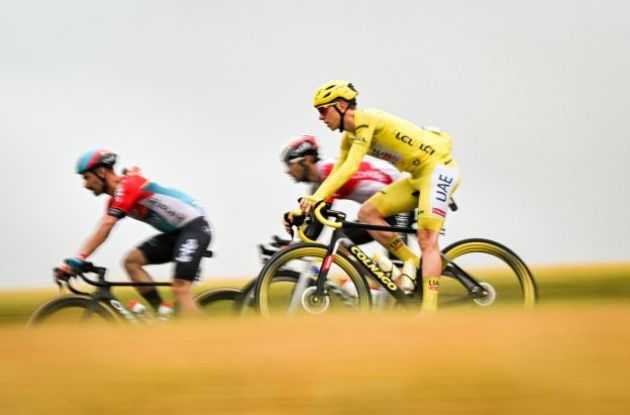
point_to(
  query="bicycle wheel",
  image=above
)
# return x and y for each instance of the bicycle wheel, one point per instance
(346, 288)
(220, 301)
(506, 279)
(70, 309)
(284, 280)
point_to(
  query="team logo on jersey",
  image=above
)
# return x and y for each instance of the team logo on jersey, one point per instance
(439, 212)
(163, 209)
(360, 140)
(186, 250)
(404, 138)
(119, 193)
(444, 185)
(427, 149)
(384, 154)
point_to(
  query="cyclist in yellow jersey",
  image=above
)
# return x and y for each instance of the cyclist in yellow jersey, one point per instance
(424, 153)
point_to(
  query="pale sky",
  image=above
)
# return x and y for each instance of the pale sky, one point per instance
(203, 94)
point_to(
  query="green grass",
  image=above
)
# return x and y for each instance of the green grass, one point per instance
(558, 284)
(17, 305)
(608, 282)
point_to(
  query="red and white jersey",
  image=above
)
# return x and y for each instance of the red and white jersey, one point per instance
(164, 208)
(372, 176)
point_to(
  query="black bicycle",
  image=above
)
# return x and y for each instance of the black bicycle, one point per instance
(100, 305)
(241, 301)
(339, 275)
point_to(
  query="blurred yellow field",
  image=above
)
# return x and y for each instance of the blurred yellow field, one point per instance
(551, 360)
(569, 355)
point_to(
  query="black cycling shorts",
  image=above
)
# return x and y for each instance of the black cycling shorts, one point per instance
(402, 219)
(184, 246)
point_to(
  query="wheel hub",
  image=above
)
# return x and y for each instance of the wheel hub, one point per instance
(489, 297)
(314, 303)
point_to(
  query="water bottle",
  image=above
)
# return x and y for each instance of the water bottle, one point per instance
(387, 265)
(408, 278)
(380, 298)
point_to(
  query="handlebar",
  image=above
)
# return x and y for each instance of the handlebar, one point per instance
(299, 220)
(317, 212)
(90, 268)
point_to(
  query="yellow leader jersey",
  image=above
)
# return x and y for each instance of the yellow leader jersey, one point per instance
(408, 147)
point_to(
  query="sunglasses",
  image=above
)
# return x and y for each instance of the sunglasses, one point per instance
(292, 161)
(323, 109)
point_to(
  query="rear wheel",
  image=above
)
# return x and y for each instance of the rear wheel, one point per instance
(72, 309)
(220, 301)
(503, 276)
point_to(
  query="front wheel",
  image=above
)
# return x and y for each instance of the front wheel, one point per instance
(345, 286)
(284, 280)
(499, 275)
(70, 309)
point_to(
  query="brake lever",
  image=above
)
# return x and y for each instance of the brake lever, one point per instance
(60, 282)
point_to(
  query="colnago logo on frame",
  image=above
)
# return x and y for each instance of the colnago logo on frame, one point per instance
(371, 266)
(186, 250)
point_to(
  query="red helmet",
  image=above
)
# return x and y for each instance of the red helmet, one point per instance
(298, 147)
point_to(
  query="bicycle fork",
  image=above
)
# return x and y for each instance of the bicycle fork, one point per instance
(328, 261)
(300, 286)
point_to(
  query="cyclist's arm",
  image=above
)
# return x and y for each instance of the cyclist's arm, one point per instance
(342, 155)
(343, 173)
(99, 236)
(350, 163)
(125, 197)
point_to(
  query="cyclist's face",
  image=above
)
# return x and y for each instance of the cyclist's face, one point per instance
(297, 171)
(329, 115)
(93, 183)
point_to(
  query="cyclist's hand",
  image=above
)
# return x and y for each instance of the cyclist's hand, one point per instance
(76, 263)
(307, 203)
(292, 219)
(62, 273)
(287, 221)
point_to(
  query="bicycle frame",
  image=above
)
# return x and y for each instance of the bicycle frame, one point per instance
(383, 278)
(103, 293)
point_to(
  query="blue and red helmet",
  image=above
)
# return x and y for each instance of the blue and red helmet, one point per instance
(95, 158)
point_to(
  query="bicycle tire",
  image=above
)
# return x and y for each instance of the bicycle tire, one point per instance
(281, 260)
(527, 283)
(249, 290)
(212, 298)
(57, 305)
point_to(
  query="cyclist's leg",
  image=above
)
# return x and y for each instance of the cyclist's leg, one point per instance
(184, 298)
(362, 236)
(395, 198)
(403, 220)
(157, 250)
(191, 243)
(436, 185)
